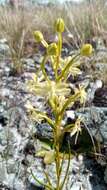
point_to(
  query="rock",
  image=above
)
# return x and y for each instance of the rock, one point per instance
(28, 61)
(105, 175)
(4, 49)
(4, 187)
(29, 148)
(100, 97)
(14, 183)
(101, 44)
(11, 166)
(6, 135)
(95, 119)
(3, 41)
(29, 64)
(70, 114)
(37, 170)
(98, 84)
(101, 67)
(83, 173)
(93, 87)
(3, 172)
(3, 120)
(44, 131)
(22, 144)
(40, 176)
(33, 187)
(37, 59)
(5, 92)
(7, 70)
(2, 108)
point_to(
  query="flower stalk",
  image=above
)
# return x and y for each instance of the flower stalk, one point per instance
(57, 93)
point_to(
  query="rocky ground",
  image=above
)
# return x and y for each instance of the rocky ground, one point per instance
(20, 138)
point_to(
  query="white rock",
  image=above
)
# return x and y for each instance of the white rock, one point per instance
(98, 84)
(70, 114)
(3, 172)
(3, 41)
(5, 92)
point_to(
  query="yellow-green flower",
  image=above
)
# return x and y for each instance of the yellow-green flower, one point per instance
(86, 50)
(38, 36)
(59, 25)
(52, 49)
(49, 89)
(74, 68)
(76, 130)
(35, 113)
(83, 94)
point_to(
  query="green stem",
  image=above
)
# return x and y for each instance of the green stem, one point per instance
(59, 54)
(57, 66)
(44, 43)
(43, 67)
(59, 43)
(57, 142)
(58, 166)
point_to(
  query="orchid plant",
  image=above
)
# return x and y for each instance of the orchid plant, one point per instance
(56, 92)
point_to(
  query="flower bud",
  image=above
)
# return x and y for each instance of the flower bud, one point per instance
(38, 36)
(59, 25)
(52, 49)
(86, 50)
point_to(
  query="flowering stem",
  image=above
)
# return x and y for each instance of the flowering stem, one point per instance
(59, 54)
(59, 43)
(58, 137)
(43, 67)
(57, 160)
(44, 43)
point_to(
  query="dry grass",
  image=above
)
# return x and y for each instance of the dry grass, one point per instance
(84, 21)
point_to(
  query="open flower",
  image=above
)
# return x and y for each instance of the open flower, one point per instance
(35, 113)
(32, 112)
(74, 68)
(82, 92)
(76, 130)
(48, 89)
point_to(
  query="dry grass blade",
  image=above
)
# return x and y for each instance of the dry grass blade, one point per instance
(94, 146)
(83, 21)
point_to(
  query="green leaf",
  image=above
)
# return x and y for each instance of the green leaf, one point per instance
(45, 145)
